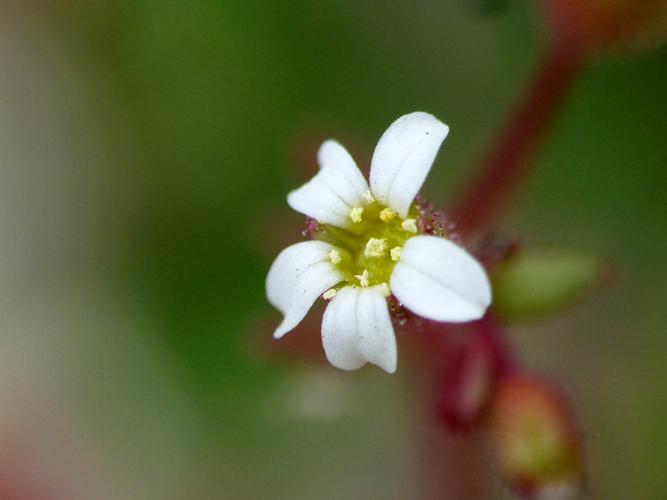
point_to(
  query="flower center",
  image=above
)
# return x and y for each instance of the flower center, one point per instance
(369, 248)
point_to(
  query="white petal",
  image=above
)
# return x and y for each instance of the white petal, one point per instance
(376, 334)
(340, 171)
(356, 328)
(338, 186)
(300, 274)
(439, 280)
(339, 331)
(403, 158)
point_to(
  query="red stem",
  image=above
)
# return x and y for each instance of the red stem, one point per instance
(508, 160)
(493, 333)
(501, 170)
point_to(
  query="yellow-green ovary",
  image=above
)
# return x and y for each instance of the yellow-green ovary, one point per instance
(367, 251)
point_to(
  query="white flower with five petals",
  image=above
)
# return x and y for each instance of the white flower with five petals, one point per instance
(367, 246)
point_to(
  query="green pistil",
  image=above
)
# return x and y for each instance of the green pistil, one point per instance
(367, 251)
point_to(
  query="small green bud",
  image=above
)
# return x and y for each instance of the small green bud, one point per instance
(536, 283)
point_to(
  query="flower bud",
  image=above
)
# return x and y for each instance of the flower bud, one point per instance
(607, 24)
(536, 283)
(466, 386)
(538, 447)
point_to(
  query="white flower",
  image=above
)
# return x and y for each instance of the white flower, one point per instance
(367, 247)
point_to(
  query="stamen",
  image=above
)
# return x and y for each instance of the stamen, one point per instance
(387, 214)
(368, 196)
(334, 256)
(409, 225)
(356, 213)
(375, 247)
(363, 278)
(396, 253)
(329, 294)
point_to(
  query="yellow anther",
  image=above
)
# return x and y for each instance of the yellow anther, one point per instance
(329, 294)
(387, 214)
(409, 225)
(356, 213)
(363, 278)
(368, 196)
(396, 253)
(334, 256)
(384, 289)
(375, 247)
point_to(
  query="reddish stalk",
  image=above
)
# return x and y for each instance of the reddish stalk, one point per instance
(453, 464)
(501, 170)
(508, 160)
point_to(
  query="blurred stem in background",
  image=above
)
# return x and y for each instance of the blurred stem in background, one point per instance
(502, 169)
(537, 444)
(507, 161)
(579, 30)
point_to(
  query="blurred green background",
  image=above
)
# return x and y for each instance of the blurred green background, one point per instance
(146, 149)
